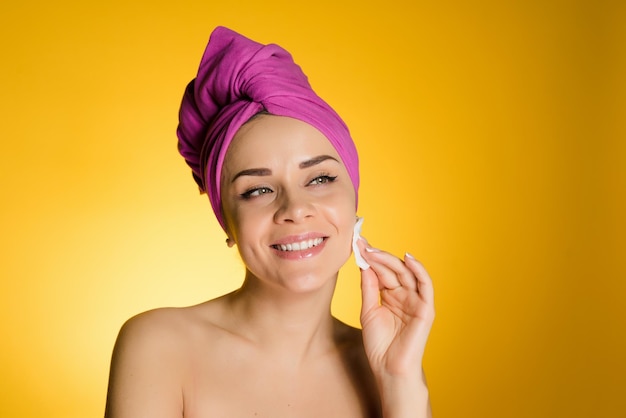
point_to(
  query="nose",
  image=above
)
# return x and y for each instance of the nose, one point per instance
(293, 207)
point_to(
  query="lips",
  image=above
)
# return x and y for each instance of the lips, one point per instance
(299, 246)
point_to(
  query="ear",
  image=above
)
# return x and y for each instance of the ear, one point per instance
(230, 241)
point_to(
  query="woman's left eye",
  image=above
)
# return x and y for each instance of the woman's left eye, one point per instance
(322, 180)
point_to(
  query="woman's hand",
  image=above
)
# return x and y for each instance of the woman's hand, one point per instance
(396, 315)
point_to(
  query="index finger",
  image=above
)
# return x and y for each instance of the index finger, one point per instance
(424, 282)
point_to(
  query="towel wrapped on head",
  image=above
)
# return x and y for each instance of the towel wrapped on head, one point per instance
(237, 79)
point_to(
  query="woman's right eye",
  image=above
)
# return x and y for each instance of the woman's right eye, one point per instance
(255, 192)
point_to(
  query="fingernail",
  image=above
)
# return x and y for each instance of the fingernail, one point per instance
(409, 255)
(372, 250)
(363, 239)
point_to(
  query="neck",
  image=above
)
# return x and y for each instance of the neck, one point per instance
(296, 324)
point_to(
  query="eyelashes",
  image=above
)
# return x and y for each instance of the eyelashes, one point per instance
(324, 178)
(257, 191)
(262, 190)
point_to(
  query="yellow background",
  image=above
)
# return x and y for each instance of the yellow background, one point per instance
(492, 142)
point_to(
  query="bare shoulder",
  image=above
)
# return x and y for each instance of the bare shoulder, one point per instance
(149, 361)
(350, 344)
(348, 337)
(167, 328)
(155, 325)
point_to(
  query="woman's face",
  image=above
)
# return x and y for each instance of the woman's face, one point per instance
(288, 201)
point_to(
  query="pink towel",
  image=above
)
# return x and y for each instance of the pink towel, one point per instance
(238, 78)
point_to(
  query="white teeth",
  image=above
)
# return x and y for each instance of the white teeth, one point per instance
(298, 246)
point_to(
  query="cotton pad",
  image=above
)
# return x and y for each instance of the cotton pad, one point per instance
(355, 237)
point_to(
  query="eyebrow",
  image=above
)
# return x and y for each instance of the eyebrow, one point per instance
(252, 172)
(267, 172)
(316, 160)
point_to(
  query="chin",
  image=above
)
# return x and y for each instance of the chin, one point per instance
(309, 283)
(304, 281)
(302, 276)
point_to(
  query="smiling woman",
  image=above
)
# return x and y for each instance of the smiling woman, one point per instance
(302, 193)
(281, 171)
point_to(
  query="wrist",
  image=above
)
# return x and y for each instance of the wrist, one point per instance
(404, 396)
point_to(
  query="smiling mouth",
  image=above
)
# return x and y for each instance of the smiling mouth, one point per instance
(299, 246)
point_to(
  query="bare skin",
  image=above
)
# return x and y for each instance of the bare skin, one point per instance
(197, 362)
(272, 347)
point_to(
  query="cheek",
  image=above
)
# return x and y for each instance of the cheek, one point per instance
(343, 204)
(344, 217)
(341, 209)
(249, 230)
(246, 223)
